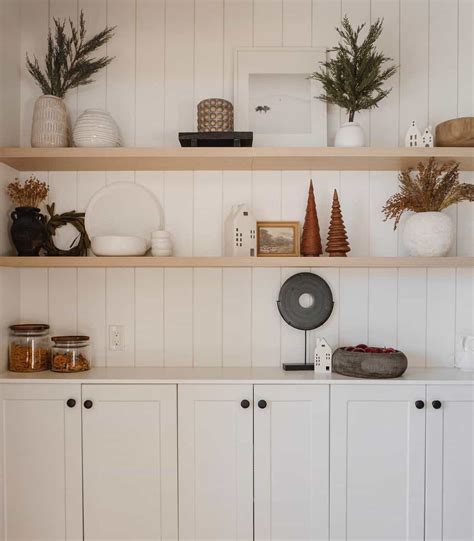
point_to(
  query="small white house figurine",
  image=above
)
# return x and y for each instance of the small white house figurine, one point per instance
(427, 139)
(240, 232)
(322, 357)
(413, 136)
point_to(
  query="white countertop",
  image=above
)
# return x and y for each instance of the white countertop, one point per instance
(143, 375)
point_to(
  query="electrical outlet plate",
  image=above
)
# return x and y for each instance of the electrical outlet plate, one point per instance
(116, 337)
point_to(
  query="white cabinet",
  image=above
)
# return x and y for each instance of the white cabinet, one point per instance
(130, 462)
(450, 463)
(42, 477)
(377, 462)
(215, 462)
(291, 462)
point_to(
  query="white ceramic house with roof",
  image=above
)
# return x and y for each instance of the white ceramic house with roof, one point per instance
(413, 136)
(427, 139)
(322, 356)
(241, 232)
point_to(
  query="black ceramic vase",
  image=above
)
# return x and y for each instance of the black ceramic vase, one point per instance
(28, 230)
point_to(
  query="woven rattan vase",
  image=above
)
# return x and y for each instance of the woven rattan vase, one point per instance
(215, 115)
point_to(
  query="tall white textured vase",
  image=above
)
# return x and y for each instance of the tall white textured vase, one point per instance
(428, 234)
(350, 134)
(50, 123)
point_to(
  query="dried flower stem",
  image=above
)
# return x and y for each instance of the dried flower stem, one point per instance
(31, 193)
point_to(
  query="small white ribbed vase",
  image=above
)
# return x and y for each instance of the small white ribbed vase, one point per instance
(50, 123)
(96, 128)
(428, 234)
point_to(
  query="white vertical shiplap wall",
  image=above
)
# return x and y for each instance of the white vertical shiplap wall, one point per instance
(169, 55)
(9, 135)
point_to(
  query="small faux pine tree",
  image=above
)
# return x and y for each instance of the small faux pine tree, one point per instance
(354, 79)
(337, 244)
(311, 238)
(68, 61)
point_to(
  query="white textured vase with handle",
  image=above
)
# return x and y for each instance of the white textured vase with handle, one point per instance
(50, 126)
(350, 134)
(428, 234)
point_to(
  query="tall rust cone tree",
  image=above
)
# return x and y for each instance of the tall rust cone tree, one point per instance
(311, 239)
(337, 244)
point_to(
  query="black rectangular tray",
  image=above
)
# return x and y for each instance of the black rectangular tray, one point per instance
(216, 139)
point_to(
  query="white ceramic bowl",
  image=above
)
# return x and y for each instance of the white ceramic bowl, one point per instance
(111, 245)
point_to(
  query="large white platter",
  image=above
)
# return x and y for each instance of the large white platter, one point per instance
(123, 209)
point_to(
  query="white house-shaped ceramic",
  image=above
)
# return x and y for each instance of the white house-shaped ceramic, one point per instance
(322, 356)
(241, 232)
(427, 139)
(413, 136)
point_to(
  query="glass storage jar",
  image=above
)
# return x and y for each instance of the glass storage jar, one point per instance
(29, 348)
(70, 354)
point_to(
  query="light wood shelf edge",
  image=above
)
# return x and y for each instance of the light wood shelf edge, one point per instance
(215, 158)
(275, 262)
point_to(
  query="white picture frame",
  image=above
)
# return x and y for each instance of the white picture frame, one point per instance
(295, 117)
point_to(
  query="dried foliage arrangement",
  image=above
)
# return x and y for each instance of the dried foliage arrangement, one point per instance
(354, 78)
(68, 61)
(430, 188)
(30, 193)
(76, 219)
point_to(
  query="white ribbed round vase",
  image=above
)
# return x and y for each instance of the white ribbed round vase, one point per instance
(350, 134)
(428, 234)
(96, 128)
(50, 126)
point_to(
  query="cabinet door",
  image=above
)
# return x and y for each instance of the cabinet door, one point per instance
(42, 462)
(215, 462)
(130, 462)
(291, 462)
(450, 463)
(377, 462)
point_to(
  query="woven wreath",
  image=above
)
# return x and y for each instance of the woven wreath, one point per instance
(76, 219)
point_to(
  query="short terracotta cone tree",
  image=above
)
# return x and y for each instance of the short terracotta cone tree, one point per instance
(311, 238)
(337, 244)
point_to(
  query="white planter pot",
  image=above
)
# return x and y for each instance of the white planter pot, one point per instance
(96, 128)
(349, 134)
(428, 234)
(50, 123)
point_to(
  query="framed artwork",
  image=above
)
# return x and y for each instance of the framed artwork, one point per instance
(278, 239)
(274, 97)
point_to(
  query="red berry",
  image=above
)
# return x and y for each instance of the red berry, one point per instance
(350, 348)
(359, 350)
(390, 350)
(361, 346)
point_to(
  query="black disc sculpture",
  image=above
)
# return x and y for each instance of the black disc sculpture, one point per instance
(305, 302)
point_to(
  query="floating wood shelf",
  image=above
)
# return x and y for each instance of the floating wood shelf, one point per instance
(258, 158)
(276, 262)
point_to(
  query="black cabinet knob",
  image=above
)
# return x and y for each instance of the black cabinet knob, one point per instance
(71, 403)
(262, 404)
(436, 404)
(88, 404)
(245, 404)
(420, 404)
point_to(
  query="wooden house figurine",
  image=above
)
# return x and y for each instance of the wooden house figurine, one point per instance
(241, 232)
(322, 357)
(413, 136)
(427, 139)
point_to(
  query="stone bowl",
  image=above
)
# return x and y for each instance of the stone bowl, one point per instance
(358, 364)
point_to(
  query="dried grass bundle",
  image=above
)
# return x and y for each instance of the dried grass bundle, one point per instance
(30, 193)
(430, 188)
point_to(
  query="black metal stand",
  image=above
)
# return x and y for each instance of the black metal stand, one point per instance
(293, 367)
(216, 139)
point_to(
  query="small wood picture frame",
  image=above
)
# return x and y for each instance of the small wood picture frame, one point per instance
(278, 239)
